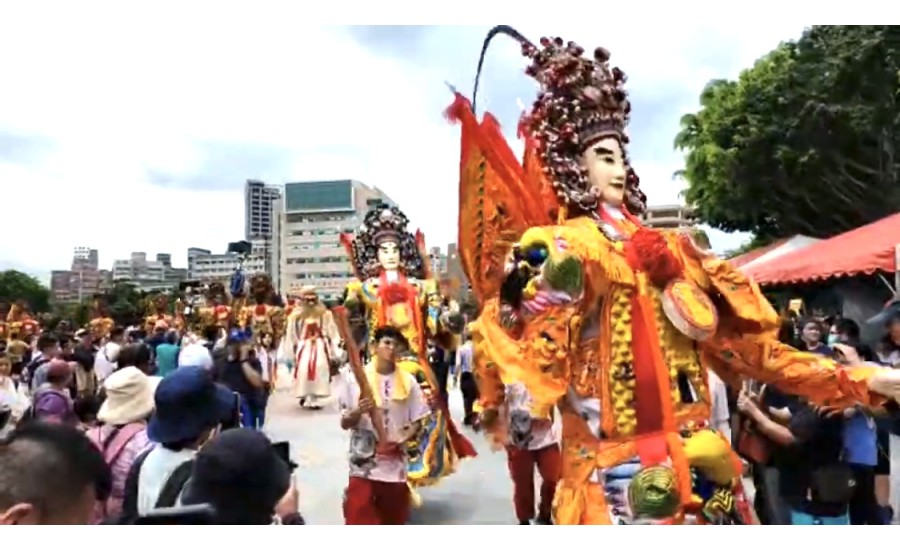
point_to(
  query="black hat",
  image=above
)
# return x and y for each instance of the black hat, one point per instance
(239, 466)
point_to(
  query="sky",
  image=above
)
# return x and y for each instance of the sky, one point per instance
(139, 136)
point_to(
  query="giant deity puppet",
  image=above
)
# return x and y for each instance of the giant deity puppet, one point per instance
(20, 325)
(259, 315)
(393, 288)
(311, 346)
(215, 309)
(614, 324)
(4, 311)
(101, 323)
(157, 313)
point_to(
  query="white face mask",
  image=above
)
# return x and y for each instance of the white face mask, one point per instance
(833, 339)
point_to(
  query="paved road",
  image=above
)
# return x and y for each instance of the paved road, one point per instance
(480, 492)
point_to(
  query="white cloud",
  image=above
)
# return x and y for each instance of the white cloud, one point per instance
(118, 93)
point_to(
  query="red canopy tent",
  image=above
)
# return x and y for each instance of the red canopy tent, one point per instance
(748, 257)
(864, 250)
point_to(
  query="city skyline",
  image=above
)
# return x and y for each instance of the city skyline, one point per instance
(279, 221)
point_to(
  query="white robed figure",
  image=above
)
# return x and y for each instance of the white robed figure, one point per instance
(311, 345)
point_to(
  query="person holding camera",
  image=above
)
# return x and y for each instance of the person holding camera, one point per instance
(244, 481)
(242, 373)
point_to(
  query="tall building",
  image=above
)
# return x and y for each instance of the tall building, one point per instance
(148, 275)
(210, 267)
(258, 199)
(453, 276)
(438, 260)
(274, 267)
(192, 254)
(259, 224)
(82, 280)
(312, 216)
(669, 216)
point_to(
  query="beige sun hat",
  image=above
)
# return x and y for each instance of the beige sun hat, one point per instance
(129, 397)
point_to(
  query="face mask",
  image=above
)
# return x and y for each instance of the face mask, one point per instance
(833, 339)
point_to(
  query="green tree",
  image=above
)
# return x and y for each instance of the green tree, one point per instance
(75, 313)
(804, 141)
(15, 285)
(126, 304)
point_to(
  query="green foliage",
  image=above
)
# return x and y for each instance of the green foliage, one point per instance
(803, 142)
(126, 304)
(468, 306)
(15, 285)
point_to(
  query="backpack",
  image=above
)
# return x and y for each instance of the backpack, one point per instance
(29, 413)
(31, 368)
(112, 446)
(169, 494)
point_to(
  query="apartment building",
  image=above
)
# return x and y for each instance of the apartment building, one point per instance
(669, 216)
(312, 216)
(82, 280)
(205, 266)
(148, 275)
(258, 199)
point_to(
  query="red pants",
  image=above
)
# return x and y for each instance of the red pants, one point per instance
(521, 470)
(369, 502)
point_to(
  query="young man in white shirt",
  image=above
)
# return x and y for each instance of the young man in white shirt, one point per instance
(533, 443)
(107, 358)
(377, 492)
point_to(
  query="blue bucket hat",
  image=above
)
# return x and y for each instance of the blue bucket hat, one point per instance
(188, 402)
(238, 336)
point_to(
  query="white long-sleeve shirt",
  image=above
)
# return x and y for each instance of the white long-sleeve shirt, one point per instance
(720, 416)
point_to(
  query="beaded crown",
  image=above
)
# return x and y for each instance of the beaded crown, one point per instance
(385, 223)
(581, 100)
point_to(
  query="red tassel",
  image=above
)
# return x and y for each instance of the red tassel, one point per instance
(457, 110)
(347, 243)
(395, 293)
(648, 251)
(420, 240)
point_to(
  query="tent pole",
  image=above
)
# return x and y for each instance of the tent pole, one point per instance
(896, 269)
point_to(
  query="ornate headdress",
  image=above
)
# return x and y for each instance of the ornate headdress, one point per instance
(581, 101)
(157, 303)
(215, 291)
(19, 322)
(382, 224)
(261, 288)
(100, 323)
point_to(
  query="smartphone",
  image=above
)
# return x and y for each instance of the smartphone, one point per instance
(198, 514)
(283, 450)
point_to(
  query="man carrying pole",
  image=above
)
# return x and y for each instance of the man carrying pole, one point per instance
(383, 407)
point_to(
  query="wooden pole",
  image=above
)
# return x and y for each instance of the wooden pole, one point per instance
(342, 320)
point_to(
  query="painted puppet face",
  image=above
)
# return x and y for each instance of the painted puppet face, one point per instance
(605, 165)
(389, 255)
